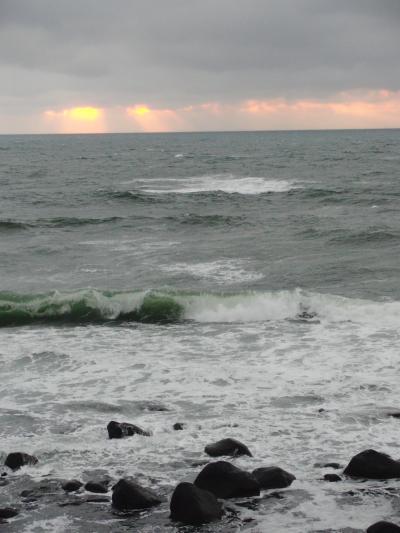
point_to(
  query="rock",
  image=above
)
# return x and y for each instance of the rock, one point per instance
(8, 512)
(72, 485)
(17, 459)
(43, 489)
(373, 465)
(332, 477)
(383, 527)
(273, 477)
(157, 407)
(230, 447)
(336, 466)
(192, 505)
(225, 480)
(178, 426)
(118, 430)
(99, 487)
(129, 495)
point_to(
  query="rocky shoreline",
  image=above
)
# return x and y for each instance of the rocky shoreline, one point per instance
(206, 500)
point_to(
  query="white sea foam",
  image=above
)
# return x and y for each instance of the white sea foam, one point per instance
(280, 305)
(221, 272)
(228, 183)
(256, 382)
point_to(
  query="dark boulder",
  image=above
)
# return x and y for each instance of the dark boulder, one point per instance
(118, 430)
(192, 505)
(373, 465)
(225, 480)
(178, 426)
(99, 487)
(17, 459)
(8, 512)
(273, 477)
(332, 477)
(383, 527)
(129, 495)
(231, 447)
(336, 466)
(72, 485)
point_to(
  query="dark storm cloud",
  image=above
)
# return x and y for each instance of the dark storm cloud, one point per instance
(177, 52)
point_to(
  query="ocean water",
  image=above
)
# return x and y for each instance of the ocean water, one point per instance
(245, 284)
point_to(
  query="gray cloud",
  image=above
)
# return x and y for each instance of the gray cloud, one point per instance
(176, 52)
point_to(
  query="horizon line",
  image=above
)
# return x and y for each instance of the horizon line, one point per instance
(191, 132)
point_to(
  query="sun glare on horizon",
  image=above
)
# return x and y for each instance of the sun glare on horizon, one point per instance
(80, 119)
(139, 110)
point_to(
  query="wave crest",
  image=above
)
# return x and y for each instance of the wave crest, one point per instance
(161, 307)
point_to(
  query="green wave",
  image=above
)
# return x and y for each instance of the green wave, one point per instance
(88, 306)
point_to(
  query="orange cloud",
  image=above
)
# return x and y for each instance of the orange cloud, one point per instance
(371, 109)
(157, 120)
(77, 120)
(352, 109)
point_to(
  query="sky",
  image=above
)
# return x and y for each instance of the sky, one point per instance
(94, 66)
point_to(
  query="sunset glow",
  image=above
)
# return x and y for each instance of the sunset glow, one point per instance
(357, 109)
(85, 119)
(157, 120)
(84, 113)
(138, 110)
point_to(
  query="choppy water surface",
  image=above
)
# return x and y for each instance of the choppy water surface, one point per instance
(246, 284)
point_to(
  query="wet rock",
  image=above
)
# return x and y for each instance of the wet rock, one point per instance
(99, 487)
(225, 480)
(192, 505)
(118, 430)
(45, 488)
(383, 527)
(178, 426)
(157, 407)
(17, 459)
(73, 503)
(231, 447)
(336, 466)
(128, 495)
(8, 512)
(373, 465)
(72, 485)
(273, 477)
(332, 477)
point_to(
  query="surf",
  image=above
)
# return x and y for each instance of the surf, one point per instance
(90, 306)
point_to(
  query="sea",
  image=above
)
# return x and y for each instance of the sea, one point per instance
(246, 285)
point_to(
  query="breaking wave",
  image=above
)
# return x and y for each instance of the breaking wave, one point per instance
(162, 307)
(226, 183)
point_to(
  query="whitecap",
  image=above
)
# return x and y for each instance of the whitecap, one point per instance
(221, 272)
(227, 183)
